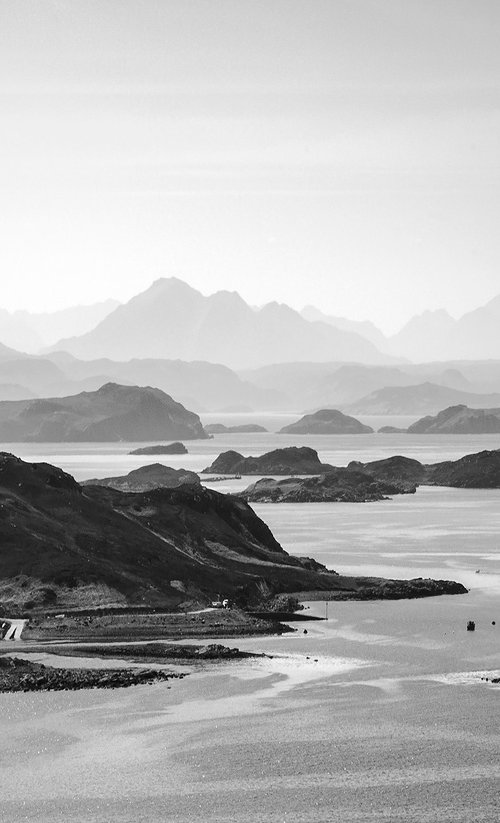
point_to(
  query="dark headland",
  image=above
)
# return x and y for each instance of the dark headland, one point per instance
(71, 548)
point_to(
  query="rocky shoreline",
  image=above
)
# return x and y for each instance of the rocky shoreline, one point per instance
(148, 652)
(18, 675)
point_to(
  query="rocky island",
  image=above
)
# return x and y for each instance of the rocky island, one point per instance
(378, 479)
(326, 421)
(289, 461)
(473, 471)
(338, 485)
(110, 414)
(170, 448)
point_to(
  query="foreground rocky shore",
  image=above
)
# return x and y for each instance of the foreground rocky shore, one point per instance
(21, 675)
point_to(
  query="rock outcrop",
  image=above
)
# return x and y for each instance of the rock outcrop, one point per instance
(289, 461)
(339, 485)
(326, 421)
(402, 472)
(474, 471)
(111, 413)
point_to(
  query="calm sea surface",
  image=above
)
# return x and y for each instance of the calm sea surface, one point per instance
(378, 713)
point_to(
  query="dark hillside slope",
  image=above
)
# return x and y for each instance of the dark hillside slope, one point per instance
(67, 546)
(64, 547)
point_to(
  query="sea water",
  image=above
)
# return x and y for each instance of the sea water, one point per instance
(378, 713)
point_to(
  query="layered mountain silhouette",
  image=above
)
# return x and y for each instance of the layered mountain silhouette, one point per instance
(172, 320)
(32, 331)
(432, 335)
(437, 336)
(425, 398)
(365, 328)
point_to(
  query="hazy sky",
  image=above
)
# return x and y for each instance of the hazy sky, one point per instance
(343, 153)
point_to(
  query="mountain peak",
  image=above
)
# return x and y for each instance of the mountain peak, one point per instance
(169, 283)
(172, 320)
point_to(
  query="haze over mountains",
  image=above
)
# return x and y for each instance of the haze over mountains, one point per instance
(219, 354)
(33, 331)
(172, 320)
(432, 335)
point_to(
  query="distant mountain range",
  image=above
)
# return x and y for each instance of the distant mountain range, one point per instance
(298, 387)
(171, 320)
(432, 335)
(425, 398)
(33, 331)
